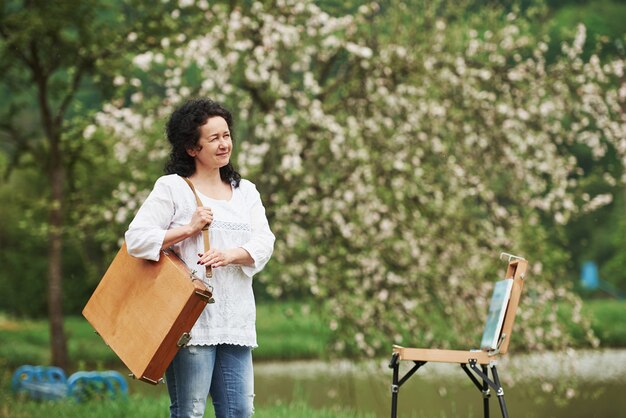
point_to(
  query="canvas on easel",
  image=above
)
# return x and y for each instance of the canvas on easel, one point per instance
(495, 317)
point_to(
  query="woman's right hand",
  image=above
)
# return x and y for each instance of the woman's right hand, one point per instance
(203, 216)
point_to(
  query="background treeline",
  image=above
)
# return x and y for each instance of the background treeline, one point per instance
(374, 67)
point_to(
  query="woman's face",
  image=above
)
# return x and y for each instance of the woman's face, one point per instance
(214, 145)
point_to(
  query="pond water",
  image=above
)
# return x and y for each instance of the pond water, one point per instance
(574, 384)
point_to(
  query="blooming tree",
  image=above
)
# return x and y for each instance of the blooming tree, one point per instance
(393, 174)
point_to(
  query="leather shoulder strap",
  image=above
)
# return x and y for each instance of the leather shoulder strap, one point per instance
(193, 189)
(205, 230)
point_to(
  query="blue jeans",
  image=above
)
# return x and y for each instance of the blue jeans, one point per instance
(224, 371)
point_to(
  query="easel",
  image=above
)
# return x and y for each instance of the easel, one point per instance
(472, 359)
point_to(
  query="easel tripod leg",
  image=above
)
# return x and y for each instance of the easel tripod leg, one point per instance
(500, 392)
(395, 387)
(486, 394)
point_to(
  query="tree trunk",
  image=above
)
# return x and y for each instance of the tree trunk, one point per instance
(55, 260)
(53, 128)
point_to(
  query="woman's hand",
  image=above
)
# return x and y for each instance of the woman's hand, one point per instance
(203, 216)
(221, 258)
(216, 258)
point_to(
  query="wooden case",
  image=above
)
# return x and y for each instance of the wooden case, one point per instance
(144, 310)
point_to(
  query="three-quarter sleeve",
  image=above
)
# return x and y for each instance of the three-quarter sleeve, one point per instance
(146, 232)
(261, 244)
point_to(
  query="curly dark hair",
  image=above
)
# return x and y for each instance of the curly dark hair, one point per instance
(183, 132)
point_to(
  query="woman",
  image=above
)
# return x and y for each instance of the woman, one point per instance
(218, 358)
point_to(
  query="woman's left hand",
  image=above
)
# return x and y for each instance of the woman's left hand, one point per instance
(215, 258)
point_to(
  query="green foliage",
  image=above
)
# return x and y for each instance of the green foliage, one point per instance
(59, 64)
(599, 235)
(608, 245)
(23, 251)
(604, 21)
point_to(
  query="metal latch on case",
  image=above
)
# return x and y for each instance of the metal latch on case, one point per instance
(184, 339)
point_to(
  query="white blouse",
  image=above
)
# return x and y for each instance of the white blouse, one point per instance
(238, 222)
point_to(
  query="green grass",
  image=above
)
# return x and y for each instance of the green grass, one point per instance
(290, 330)
(286, 330)
(142, 405)
(608, 321)
(138, 406)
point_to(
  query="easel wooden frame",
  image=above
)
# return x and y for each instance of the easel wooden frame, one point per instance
(468, 360)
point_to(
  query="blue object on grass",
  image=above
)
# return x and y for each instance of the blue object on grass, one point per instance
(87, 385)
(40, 382)
(589, 277)
(590, 280)
(50, 383)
